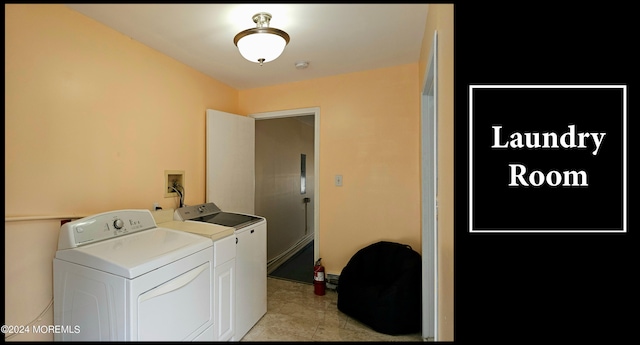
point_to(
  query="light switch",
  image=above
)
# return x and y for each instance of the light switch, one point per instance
(339, 180)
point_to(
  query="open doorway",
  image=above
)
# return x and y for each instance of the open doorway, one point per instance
(286, 183)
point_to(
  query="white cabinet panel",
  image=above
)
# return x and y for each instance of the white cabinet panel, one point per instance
(224, 319)
(224, 259)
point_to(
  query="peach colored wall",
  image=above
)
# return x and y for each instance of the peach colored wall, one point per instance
(440, 18)
(369, 134)
(90, 112)
(93, 118)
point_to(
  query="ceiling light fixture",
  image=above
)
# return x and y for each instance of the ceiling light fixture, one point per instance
(262, 43)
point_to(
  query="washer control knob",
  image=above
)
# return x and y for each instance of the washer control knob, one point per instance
(118, 224)
(201, 209)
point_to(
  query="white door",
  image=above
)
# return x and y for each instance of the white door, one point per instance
(230, 158)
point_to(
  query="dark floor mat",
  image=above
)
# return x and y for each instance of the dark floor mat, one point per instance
(298, 268)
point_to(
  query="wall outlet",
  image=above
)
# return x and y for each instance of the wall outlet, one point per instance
(338, 180)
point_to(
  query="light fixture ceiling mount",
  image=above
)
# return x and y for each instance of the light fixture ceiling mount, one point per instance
(262, 43)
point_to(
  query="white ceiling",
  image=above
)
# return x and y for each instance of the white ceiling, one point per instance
(333, 38)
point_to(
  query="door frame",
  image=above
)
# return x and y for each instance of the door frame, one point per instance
(429, 192)
(315, 111)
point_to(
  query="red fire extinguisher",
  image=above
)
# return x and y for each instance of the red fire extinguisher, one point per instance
(318, 278)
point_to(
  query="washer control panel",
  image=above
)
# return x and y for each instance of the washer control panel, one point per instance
(195, 211)
(104, 226)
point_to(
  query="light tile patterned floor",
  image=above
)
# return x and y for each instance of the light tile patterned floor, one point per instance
(295, 313)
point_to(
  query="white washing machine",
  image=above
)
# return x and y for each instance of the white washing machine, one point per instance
(251, 259)
(118, 276)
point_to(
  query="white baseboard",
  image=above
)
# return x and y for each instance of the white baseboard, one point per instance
(288, 253)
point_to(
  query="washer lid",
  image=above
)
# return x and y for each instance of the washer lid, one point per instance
(234, 220)
(135, 254)
(211, 213)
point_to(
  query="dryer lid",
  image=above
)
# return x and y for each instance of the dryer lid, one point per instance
(135, 254)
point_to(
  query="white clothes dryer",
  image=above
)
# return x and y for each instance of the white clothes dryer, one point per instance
(118, 276)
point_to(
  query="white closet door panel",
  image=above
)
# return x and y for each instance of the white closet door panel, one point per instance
(230, 161)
